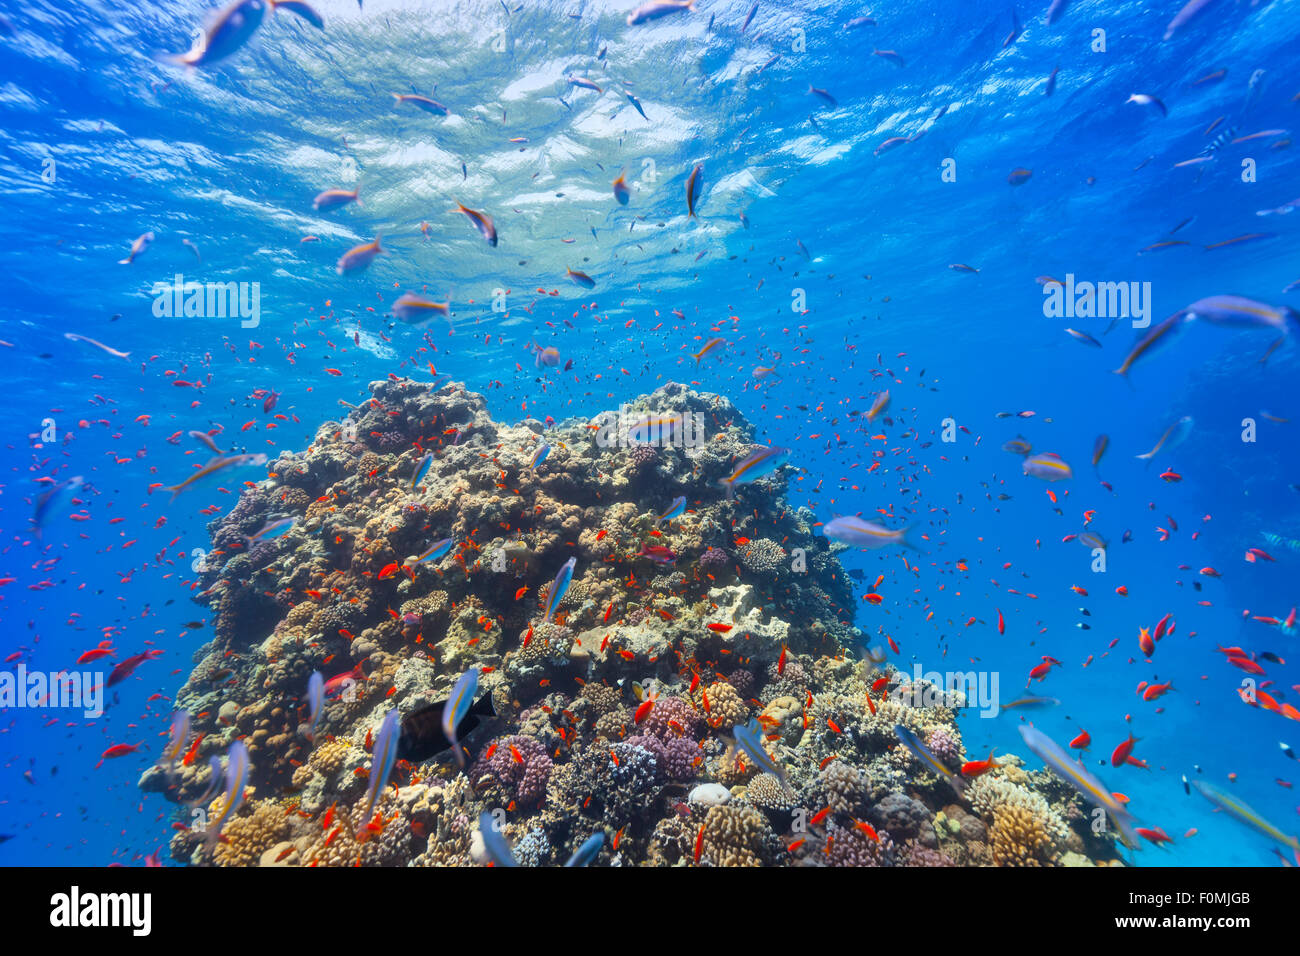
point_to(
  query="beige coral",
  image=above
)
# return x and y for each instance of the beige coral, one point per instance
(726, 708)
(766, 792)
(733, 836)
(1019, 838)
(244, 839)
(328, 758)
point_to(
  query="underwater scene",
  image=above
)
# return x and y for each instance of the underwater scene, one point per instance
(684, 433)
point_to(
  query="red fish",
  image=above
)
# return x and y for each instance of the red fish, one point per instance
(1122, 753)
(973, 768)
(1156, 691)
(125, 669)
(117, 750)
(336, 683)
(1156, 835)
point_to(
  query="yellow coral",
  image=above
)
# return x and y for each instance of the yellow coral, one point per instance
(245, 839)
(726, 709)
(1019, 838)
(733, 836)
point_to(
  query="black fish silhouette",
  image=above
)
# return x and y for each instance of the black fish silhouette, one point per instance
(422, 737)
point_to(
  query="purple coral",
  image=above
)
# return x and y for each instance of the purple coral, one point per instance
(714, 560)
(680, 756)
(389, 441)
(670, 711)
(945, 746)
(644, 455)
(525, 781)
(916, 855)
(742, 680)
(854, 847)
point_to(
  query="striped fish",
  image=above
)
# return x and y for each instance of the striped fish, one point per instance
(236, 779)
(1083, 782)
(458, 704)
(1243, 812)
(922, 753)
(382, 759)
(763, 462)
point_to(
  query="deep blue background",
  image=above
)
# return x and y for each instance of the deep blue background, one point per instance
(230, 158)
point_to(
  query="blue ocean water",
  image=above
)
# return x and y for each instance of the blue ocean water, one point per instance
(814, 251)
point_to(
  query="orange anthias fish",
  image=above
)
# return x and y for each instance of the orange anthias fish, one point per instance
(1156, 691)
(973, 768)
(643, 711)
(1123, 752)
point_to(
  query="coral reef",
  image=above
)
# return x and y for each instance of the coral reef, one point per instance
(612, 714)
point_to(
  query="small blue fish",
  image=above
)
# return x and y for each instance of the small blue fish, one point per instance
(1030, 703)
(1092, 541)
(382, 759)
(657, 429)
(748, 19)
(301, 8)
(177, 737)
(750, 740)
(675, 510)
(494, 841)
(539, 456)
(436, 551)
(458, 704)
(1080, 779)
(1048, 466)
(273, 529)
(558, 587)
(228, 31)
(46, 500)
(1174, 436)
(214, 784)
(637, 103)
(1056, 11)
(763, 462)
(420, 470)
(857, 533)
(1243, 812)
(922, 753)
(315, 703)
(586, 854)
(236, 780)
